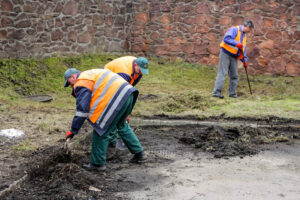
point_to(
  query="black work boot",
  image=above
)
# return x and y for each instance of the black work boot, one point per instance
(93, 167)
(218, 96)
(233, 96)
(138, 157)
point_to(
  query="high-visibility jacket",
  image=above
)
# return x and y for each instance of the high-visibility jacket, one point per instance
(124, 66)
(232, 49)
(106, 93)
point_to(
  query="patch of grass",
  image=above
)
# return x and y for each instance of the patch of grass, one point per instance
(25, 145)
(180, 88)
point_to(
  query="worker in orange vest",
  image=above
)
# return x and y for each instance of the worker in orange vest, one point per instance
(130, 69)
(233, 47)
(105, 100)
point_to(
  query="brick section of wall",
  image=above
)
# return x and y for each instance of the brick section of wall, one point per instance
(188, 29)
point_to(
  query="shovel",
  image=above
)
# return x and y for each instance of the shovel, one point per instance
(246, 73)
(67, 146)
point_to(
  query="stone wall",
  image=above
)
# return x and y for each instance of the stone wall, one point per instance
(41, 28)
(189, 29)
(193, 30)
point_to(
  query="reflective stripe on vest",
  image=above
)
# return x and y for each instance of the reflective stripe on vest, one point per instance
(107, 85)
(113, 107)
(233, 49)
(81, 114)
(123, 65)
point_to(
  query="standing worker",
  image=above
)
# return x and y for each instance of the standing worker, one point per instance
(131, 69)
(106, 100)
(233, 47)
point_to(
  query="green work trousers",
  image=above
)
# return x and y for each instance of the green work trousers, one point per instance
(100, 143)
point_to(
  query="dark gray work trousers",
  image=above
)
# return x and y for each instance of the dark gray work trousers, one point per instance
(228, 65)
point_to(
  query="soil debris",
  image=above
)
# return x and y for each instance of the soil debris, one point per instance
(232, 141)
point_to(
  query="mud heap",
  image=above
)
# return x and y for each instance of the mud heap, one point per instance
(232, 141)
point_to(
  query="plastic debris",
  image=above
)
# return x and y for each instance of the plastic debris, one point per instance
(11, 133)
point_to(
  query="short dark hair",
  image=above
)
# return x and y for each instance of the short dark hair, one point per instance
(249, 23)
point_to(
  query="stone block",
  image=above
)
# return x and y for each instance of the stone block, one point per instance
(296, 57)
(43, 38)
(247, 6)
(293, 69)
(17, 35)
(237, 20)
(59, 7)
(154, 36)
(165, 19)
(23, 24)
(262, 61)
(189, 20)
(98, 20)
(6, 5)
(3, 34)
(274, 35)
(213, 60)
(136, 48)
(30, 31)
(266, 53)
(56, 35)
(72, 36)
(296, 46)
(6, 22)
(213, 48)
(296, 35)
(70, 8)
(200, 50)
(161, 50)
(20, 2)
(275, 66)
(84, 38)
(179, 40)
(58, 22)
(267, 44)
(188, 48)
(203, 29)
(165, 8)
(225, 20)
(268, 23)
(253, 52)
(202, 8)
(211, 36)
(142, 17)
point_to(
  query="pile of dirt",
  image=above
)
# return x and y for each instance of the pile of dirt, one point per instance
(232, 141)
(55, 174)
(52, 173)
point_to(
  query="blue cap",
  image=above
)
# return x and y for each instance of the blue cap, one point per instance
(143, 63)
(68, 74)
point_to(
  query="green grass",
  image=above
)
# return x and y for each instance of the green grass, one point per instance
(180, 88)
(25, 145)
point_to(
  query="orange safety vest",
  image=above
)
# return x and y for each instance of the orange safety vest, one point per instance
(123, 65)
(233, 49)
(109, 93)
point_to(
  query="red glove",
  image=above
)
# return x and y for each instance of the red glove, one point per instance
(128, 119)
(69, 134)
(239, 45)
(245, 64)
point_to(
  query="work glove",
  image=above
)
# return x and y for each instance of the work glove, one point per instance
(128, 119)
(245, 64)
(69, 134)
(239, 45)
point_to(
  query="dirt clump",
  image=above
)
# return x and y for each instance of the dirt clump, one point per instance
(232, 141)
